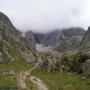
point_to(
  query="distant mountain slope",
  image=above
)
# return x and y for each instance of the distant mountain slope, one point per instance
(74, 31)
(29, 36)
(72, 39)
(62, 40)
(85, 44)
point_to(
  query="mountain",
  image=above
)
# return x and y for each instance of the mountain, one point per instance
(72, 39)
(85, 43)
(51, 39)
(61, 40)
(74, 31)
(39, 37)
(13, 46)
(29, 36)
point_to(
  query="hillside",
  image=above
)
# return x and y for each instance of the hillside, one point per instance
(12, 43)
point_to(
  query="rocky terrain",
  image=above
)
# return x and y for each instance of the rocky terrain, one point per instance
(60, 50)
(63, 50)
(60, 40)
(85, 44)
(12, 43)
(33, 46)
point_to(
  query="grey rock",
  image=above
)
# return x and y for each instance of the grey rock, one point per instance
(86, 67)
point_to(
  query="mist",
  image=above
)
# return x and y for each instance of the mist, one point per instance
(46, 15)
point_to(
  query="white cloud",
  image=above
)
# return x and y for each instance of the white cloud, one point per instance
(45, 15)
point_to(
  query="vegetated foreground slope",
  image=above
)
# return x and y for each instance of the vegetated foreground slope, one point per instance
(63, 80)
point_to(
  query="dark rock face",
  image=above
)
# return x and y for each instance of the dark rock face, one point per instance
(52, 39)
(30, 37)
(39, 37)
(12, 43)
(64, 39)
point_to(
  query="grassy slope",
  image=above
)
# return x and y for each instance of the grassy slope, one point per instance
(30, 85)
(16, 66)
(63, 81)
(54, 80)
(10, 80)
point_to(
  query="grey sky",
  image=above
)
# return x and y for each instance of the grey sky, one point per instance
(45, 15)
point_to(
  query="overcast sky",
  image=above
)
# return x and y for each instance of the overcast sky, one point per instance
(46, 15)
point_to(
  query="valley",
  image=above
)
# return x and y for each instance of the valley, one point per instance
(58, 60)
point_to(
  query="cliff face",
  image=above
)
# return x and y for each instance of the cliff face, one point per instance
(12, 43)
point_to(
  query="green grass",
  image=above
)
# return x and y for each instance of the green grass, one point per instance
(53, 80)
(7, 81)
(18, 65)
(63, 80)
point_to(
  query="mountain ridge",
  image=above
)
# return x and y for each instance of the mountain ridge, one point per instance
(54, 38)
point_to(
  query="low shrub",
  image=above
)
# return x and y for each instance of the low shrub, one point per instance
(75, 61)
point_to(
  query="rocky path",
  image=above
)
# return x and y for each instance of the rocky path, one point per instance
(22, 79)
(38, 82)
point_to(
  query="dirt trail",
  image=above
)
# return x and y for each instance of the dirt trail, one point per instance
(22, 79)
(38, 82)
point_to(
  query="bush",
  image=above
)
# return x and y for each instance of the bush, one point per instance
(75, 61)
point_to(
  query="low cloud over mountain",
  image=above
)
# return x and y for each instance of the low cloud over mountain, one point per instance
(46, 15)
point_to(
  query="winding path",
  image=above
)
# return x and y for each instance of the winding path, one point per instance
(22, 79)
(38, 82)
